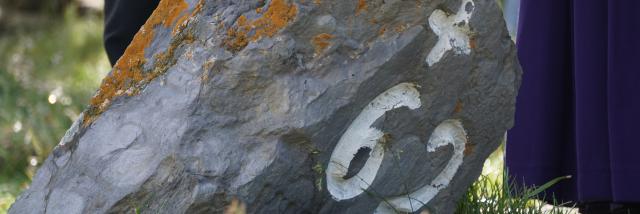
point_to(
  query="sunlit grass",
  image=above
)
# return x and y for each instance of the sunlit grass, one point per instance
(494, 192)
(6, 199)
(8, 192)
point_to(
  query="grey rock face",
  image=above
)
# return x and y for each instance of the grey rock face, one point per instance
(325, 106)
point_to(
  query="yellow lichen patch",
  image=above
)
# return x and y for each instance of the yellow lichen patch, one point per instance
(277, 16)
(401, 28)
(362, 6)
(207, 67)
(321, 42)
(127, 74)
(316, 1)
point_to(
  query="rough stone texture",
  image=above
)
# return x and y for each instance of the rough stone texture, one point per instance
(222, 100)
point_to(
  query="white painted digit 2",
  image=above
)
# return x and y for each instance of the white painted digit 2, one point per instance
(448, 132)
(360, 134)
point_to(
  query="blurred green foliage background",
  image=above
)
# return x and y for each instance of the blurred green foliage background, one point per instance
(51, 62)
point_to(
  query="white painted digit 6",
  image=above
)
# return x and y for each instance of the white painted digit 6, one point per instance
(360, 134)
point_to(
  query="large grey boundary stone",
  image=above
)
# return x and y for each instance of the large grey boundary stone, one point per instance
(424, 89)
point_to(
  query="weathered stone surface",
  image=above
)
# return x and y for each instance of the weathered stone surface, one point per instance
(268, 102)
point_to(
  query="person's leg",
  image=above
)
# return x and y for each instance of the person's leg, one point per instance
(123, 18)
(625, 208)
(541, 144)
(623, 101)
(595, 208)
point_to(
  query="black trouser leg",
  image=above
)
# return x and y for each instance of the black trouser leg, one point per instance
(625, 208)
(595, 208)
(122, 19)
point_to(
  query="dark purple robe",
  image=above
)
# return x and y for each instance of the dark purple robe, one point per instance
(578, 110)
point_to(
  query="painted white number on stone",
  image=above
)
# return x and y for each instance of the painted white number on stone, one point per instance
(452, 30)
(449, 132)
(360, 134)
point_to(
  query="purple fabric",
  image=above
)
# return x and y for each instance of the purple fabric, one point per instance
(578, 108)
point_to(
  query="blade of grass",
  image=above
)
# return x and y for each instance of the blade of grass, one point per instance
(546, 186)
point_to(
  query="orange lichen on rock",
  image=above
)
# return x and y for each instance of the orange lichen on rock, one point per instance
(237, 36)
(382, 30)
(127, 74)
(458, 107)
(321, 42)
(472, 42)
(362, 6)
(468, 148)
(183, 17)
(171, 11)
(278, 15)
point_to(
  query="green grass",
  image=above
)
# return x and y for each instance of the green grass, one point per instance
(494, 192)
(487, 195)
(5, 201)
(8, 193)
